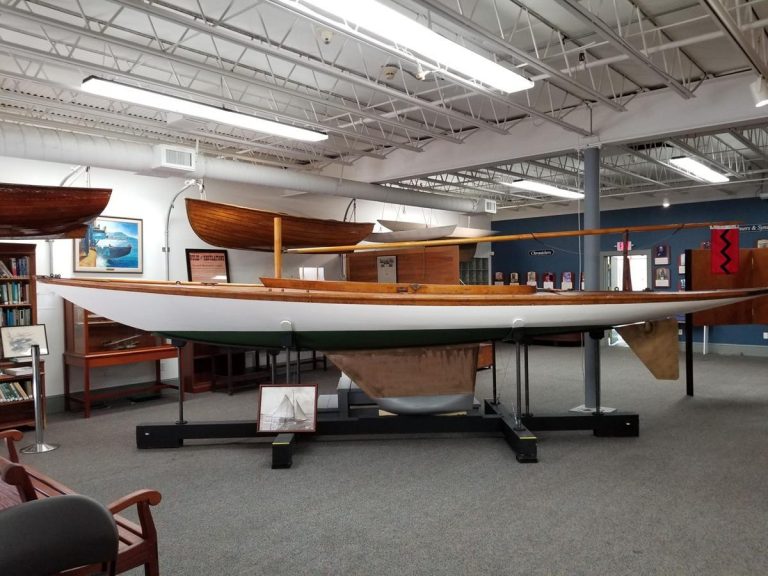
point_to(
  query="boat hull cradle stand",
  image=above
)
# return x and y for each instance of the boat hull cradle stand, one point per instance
(517, 426)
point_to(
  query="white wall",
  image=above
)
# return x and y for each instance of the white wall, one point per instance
(148, 198)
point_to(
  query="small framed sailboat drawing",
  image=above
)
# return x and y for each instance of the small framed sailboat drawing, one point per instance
(288, 408)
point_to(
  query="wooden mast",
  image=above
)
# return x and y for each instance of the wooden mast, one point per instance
(508, 238)
(278, 248)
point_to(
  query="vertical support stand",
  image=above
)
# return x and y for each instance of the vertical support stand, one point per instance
(493, 359)
(527, 382)
(518, 386)
(39, 446)
(179, 345)
(278, 247)
(689, 326)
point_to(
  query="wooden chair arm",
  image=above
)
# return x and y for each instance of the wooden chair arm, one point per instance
(151, 497)
(10, 437)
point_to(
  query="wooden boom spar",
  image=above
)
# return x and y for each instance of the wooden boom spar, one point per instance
(507, 238)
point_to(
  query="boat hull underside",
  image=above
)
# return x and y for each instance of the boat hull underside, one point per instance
(364, 339)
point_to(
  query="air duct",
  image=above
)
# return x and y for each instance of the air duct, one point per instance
(70, 148)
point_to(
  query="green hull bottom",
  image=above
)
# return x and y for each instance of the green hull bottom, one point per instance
(357, 340)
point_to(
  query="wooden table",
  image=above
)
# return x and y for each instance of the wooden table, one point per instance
(113, 358)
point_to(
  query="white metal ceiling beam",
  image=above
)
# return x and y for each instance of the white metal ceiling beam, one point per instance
(560, 78)
(606, 31)
(732, 30)
(720, 103)
(217, 29)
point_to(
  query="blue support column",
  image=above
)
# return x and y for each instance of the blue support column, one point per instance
(591, 269)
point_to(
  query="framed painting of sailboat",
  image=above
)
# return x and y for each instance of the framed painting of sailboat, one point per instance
(287, 408)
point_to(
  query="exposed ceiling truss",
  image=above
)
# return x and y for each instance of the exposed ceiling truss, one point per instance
(283, 60)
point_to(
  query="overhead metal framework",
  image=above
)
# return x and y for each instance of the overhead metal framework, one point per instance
(285, 61)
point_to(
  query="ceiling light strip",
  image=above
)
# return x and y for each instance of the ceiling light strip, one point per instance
(142, 97)
(698, 170)
(403, 31)
(541, 188)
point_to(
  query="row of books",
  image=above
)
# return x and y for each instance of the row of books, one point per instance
(14, 267)
(16, 317)
(13, 392)
(14, 293)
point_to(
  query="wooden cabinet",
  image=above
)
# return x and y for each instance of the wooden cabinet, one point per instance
(18, 307)
(93, 341)
(17, 406)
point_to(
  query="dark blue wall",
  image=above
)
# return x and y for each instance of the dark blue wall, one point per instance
(514, 256)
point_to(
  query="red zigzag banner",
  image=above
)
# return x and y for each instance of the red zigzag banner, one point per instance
(725, 250)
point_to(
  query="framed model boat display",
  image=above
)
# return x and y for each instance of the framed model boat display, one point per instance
(110, 244)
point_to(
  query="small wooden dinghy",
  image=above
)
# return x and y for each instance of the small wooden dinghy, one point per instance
(241, 228)
(31, 211)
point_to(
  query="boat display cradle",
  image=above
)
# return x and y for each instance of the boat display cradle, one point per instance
(352, 413)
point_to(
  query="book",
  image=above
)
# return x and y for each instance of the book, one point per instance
(4, 271)
(18, 370)
(9, 392)
(20, 389)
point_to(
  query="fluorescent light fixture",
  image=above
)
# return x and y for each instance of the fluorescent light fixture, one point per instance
(665, 203)
(109, 89)
(405, 32)
(541, 188)
(759, 90)
(698, 170)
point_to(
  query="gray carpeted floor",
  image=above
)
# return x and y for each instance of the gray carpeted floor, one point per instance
(688, 496)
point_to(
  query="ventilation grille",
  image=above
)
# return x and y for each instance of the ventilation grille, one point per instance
(174, 158)
(489, 206)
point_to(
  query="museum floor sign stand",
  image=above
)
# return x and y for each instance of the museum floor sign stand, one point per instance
(337, 419)
(39, 446)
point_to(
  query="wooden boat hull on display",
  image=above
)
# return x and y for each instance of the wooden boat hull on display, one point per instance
(241, 228)
(31, 211)
(332, 319)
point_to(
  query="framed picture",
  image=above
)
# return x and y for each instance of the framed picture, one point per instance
(204, 265)
(17, 341)
(548, 280)
(566, 281)
(661, 278)
(110, 245)
(498, 278)
(532, 279)
(287, 408)
(513, 278)
(661, 254)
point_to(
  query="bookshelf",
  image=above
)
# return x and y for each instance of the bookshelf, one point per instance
(18, 307)
(18, 409)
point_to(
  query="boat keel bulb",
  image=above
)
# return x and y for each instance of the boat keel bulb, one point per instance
(286, 325)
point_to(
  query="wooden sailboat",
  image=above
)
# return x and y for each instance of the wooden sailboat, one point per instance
(31, 211)
(338, 319)
(238, 227)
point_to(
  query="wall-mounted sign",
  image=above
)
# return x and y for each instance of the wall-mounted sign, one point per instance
(620, 246)
(753, 228)
(546, 252)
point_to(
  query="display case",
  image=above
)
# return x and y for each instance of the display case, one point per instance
(93, 341)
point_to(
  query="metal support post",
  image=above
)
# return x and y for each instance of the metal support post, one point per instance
(39, 445)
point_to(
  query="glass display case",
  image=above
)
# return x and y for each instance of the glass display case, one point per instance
(87, 333)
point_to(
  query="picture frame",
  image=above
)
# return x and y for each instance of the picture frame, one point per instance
(514, 278)
(17, 341)
(548, 280)
(111, 244)
(661, 278)
(566, 281)
(287, 408)
(661, 254)
(532, 279)
(207, 265)
(498, 278)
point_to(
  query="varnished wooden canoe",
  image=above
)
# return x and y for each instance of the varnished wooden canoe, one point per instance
(238, 227)
(331, 319)
(31, 211)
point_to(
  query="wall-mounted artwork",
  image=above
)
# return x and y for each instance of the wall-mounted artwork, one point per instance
(287, 408)
(661, 254)
(514, 278)
(110, 245)
(548, 280)
(566, 281)
(532, 279)
(661, 278)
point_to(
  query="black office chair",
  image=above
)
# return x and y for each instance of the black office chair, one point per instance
(48, 536)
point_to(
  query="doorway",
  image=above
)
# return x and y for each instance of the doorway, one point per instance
(613, 278)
